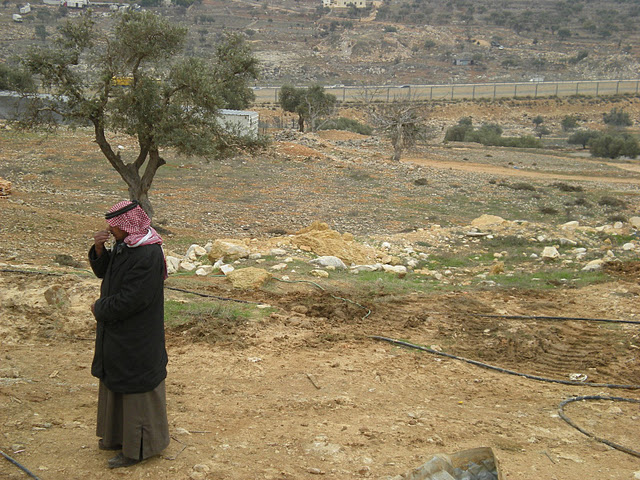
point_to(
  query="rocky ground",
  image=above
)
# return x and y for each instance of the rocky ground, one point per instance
(301, 389)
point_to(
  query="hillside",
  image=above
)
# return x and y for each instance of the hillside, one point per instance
(397, 42)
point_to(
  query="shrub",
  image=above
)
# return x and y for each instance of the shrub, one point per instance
(617, 218)
(608, 201)
(579, 57)
(582, 137)
(347, 124)
(458, 132)
(563, 187)
(489, 134)
(569, 123)
(582, 202)
(542, 130)
(548, 211)
(526, 141)
(14, 78)
(617, 117)
(429, 44)
(612, 145)
(523, 186)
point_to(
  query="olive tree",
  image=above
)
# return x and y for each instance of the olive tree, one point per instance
(311, 104)
(132, 80)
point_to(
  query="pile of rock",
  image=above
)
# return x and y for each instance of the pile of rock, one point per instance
(474, 464)
(190, 261)
(5, 188)
(570, 244)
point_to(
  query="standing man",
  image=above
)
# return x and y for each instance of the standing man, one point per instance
(130, 357)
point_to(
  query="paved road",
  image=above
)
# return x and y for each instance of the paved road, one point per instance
(467, 91)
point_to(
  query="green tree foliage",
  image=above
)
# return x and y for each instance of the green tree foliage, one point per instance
(569, 122)
(132, 80)
(14, 78)
(582, 137)
(458, 132)
(617, 117)
(347, 124)
(487, 134)
(150, 3)
(311, 104)
(614, 145)
(41, 32)
(542, 130)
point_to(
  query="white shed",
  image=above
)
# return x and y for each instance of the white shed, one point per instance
(245, 121)
(25, 9)
(77, 3)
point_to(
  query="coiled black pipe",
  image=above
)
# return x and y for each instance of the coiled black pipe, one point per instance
(617, 446)
(532, 317)
(503, 370)
(622, 448)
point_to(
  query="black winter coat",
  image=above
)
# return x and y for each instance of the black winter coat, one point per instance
(130, 354)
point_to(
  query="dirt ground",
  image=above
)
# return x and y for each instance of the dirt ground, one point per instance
(307, 392)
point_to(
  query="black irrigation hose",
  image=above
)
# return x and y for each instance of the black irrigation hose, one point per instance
(32, 272)
(17, 464)
(543, 379)
(504, 370)
(206, 295)
(589, 434)
(55, 274)
(532, 317)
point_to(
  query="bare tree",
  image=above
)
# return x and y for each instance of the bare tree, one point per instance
(402, 121)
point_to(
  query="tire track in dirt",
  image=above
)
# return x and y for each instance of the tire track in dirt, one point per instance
(513, 172)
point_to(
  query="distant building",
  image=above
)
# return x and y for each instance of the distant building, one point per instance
(463, 61)
(75, 3)
(55, 3)
(344, 3)
(25, 9)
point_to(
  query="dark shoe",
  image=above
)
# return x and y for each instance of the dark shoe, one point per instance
(102, 446)
(121, 461)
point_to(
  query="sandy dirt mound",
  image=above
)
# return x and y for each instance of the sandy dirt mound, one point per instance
(321, 240)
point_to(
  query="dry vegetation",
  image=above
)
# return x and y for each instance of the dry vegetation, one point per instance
(300, 389)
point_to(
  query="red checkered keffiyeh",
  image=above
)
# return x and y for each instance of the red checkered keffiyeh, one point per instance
(137, 224)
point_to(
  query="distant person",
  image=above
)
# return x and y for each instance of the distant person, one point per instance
(130, 358)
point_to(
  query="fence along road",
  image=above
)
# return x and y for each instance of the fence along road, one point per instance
(467, 91)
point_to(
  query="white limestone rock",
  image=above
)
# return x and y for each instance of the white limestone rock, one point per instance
(329, 261)
(204, 270)
(550, 253)
(394, 268)
(593, 266)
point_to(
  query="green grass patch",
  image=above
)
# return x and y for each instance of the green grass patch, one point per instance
(544, 280)
(178, 313)
(452, 260)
